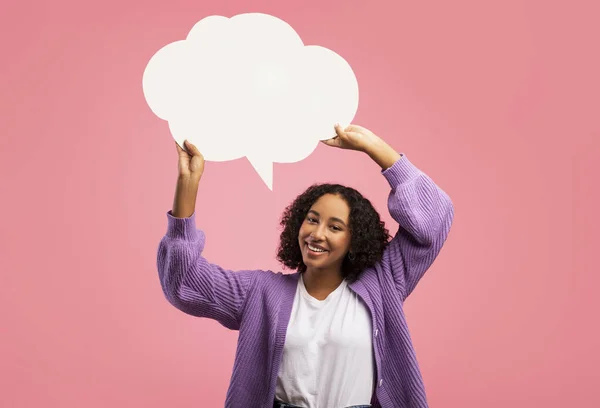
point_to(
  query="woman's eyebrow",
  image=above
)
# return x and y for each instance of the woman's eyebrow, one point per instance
(331, 218)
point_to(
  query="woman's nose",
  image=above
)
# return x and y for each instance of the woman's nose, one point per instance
(318, 233)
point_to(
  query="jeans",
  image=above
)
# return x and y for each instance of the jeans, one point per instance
(279, 404)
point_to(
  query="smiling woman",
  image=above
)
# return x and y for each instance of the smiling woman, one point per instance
(337, 219)
(332, 334)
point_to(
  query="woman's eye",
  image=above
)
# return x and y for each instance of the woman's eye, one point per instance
(336, 228)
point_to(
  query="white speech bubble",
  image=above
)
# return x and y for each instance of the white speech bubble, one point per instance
(248, 86)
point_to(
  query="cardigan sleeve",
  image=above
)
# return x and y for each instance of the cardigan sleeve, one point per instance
(194, 285)
(424, 213)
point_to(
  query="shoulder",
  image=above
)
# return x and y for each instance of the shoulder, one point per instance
(276, 281)
(278, 277)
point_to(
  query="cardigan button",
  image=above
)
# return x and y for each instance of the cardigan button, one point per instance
(376, 332)
(381, 382)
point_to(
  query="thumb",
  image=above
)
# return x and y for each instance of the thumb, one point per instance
(179, 149)
(334, 142)
(192, 150)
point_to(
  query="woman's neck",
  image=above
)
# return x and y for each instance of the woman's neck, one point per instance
(320, 283)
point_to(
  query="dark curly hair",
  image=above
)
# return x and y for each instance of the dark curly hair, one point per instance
(369, 236)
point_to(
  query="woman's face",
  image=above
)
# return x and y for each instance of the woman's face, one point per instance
(324, 236)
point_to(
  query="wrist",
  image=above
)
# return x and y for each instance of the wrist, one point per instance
(188, 182)
(374, 145)
(382, 153)
(184, 202)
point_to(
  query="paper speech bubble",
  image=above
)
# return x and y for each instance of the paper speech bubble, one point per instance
(248, 86)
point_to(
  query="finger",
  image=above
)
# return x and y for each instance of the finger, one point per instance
(197, 164)
(354, 128)
(193, 150)
(181, 152)
(353, 135)
(334, 141)
(338, 129)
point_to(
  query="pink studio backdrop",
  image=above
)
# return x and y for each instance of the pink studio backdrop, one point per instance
(497, 101)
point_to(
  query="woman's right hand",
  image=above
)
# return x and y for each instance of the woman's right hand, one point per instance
(191, 162)
(191, 167)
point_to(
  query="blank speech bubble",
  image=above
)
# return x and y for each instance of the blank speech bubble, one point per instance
(248, 86)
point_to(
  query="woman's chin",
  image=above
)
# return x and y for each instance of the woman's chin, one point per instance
(316, 263)
(311, 263)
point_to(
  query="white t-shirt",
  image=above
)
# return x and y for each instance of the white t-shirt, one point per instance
(328, 357)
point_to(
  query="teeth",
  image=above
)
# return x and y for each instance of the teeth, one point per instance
(312, 248)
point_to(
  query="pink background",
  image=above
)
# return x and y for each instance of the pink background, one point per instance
(498, 103)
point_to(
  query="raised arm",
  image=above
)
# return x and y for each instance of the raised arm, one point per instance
(189, 281)
(423, 211)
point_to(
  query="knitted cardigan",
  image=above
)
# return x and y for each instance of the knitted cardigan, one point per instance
(259, 303)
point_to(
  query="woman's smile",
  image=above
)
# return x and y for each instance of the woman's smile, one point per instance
(315, 250)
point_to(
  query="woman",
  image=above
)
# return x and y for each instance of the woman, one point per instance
(333, 334)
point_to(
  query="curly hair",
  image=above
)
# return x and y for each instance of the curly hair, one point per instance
(369, 236)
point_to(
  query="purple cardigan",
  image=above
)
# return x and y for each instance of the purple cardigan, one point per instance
(259, 303)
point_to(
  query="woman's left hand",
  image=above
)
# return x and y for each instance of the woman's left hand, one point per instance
(353, 137)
